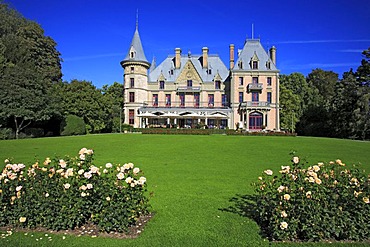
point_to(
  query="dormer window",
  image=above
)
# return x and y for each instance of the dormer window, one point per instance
(217, 84)
(170, 72)
(161, 84)
(254, 61)
(209, 71)
(132, 53)
(254, 64)
(240, 65)
(268, 65)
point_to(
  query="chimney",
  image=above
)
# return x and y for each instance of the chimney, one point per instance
(205, 57)
(273, 54)
(177, 58)
(231, 56)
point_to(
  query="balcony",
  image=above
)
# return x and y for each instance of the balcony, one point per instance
(188, 89)
(254, 105)
(190, 104)
(255, 87)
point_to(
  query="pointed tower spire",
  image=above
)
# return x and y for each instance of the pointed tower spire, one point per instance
(136, 52)
(137, 19)
(154, 64)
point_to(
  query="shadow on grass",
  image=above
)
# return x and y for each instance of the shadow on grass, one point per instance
(245, 205)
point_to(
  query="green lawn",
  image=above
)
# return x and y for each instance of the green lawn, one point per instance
(192, 178)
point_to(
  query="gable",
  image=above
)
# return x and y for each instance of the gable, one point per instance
(189, 72)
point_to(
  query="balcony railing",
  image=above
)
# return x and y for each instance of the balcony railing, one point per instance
(255, 87)
(190, 104)
(254, 104)
(188, 89)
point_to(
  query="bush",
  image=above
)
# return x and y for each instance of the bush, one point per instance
(73, 125)
(320, 202)
(34, 132)
(62, 194)
(6, 134)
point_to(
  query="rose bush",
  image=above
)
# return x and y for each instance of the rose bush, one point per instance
(64, 193)
(312, 203)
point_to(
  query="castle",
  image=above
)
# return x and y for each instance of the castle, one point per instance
(199, 91)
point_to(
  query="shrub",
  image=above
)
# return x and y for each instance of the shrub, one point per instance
(6, 134)
(319, 202)
(34, 132)
(70, 192)
(73, 125)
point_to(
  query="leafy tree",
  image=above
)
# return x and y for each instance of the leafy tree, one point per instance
(324, 81)
(290, 108)
(29, 64)
(83, 99)
(113, 96)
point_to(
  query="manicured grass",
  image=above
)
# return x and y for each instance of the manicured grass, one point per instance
(192, 178)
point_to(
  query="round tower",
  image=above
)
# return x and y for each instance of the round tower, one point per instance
(135, 80)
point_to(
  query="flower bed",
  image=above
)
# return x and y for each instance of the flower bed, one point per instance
(319, 202)
(60, 194)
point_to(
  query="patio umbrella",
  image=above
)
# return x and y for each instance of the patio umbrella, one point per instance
(147, 114)
(217, 115)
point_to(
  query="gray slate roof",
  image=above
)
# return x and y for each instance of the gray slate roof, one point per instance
(251, 49)
(136, 44)
(215, 65)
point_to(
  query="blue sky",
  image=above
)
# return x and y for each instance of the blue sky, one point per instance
(94, 36)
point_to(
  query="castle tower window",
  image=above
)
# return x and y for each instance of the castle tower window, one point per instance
(131, 116)
(132, 69)
(132, 97)
(132, 54)
(132, 82)
(161, 85)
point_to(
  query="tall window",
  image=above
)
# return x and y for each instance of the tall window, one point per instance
(168, 100)
(241, 97)
(255, 65)
(131, 116)
(254, 80)
(268, 81)
(155, 99)
(255, 96)
(132, 82)
(132, 97)
(182, 100)
(217, 84)
(196, 99)
(269, 97)
(224, 100)
(211, 100)
(241, 81)
(190, 83)
(161, 84)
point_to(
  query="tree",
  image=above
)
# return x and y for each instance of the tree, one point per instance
(324, 81)
(290, 108)
(113, 96)
(29, 64)
(83, 99)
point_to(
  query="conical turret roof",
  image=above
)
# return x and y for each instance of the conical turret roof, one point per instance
(136, 51)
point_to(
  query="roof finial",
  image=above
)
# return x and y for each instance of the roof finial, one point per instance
(252, 31)
(137, 19)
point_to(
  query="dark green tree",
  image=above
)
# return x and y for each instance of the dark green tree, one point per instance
(29, 64)
(290, 108)
(113, 96)
(83, 99)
